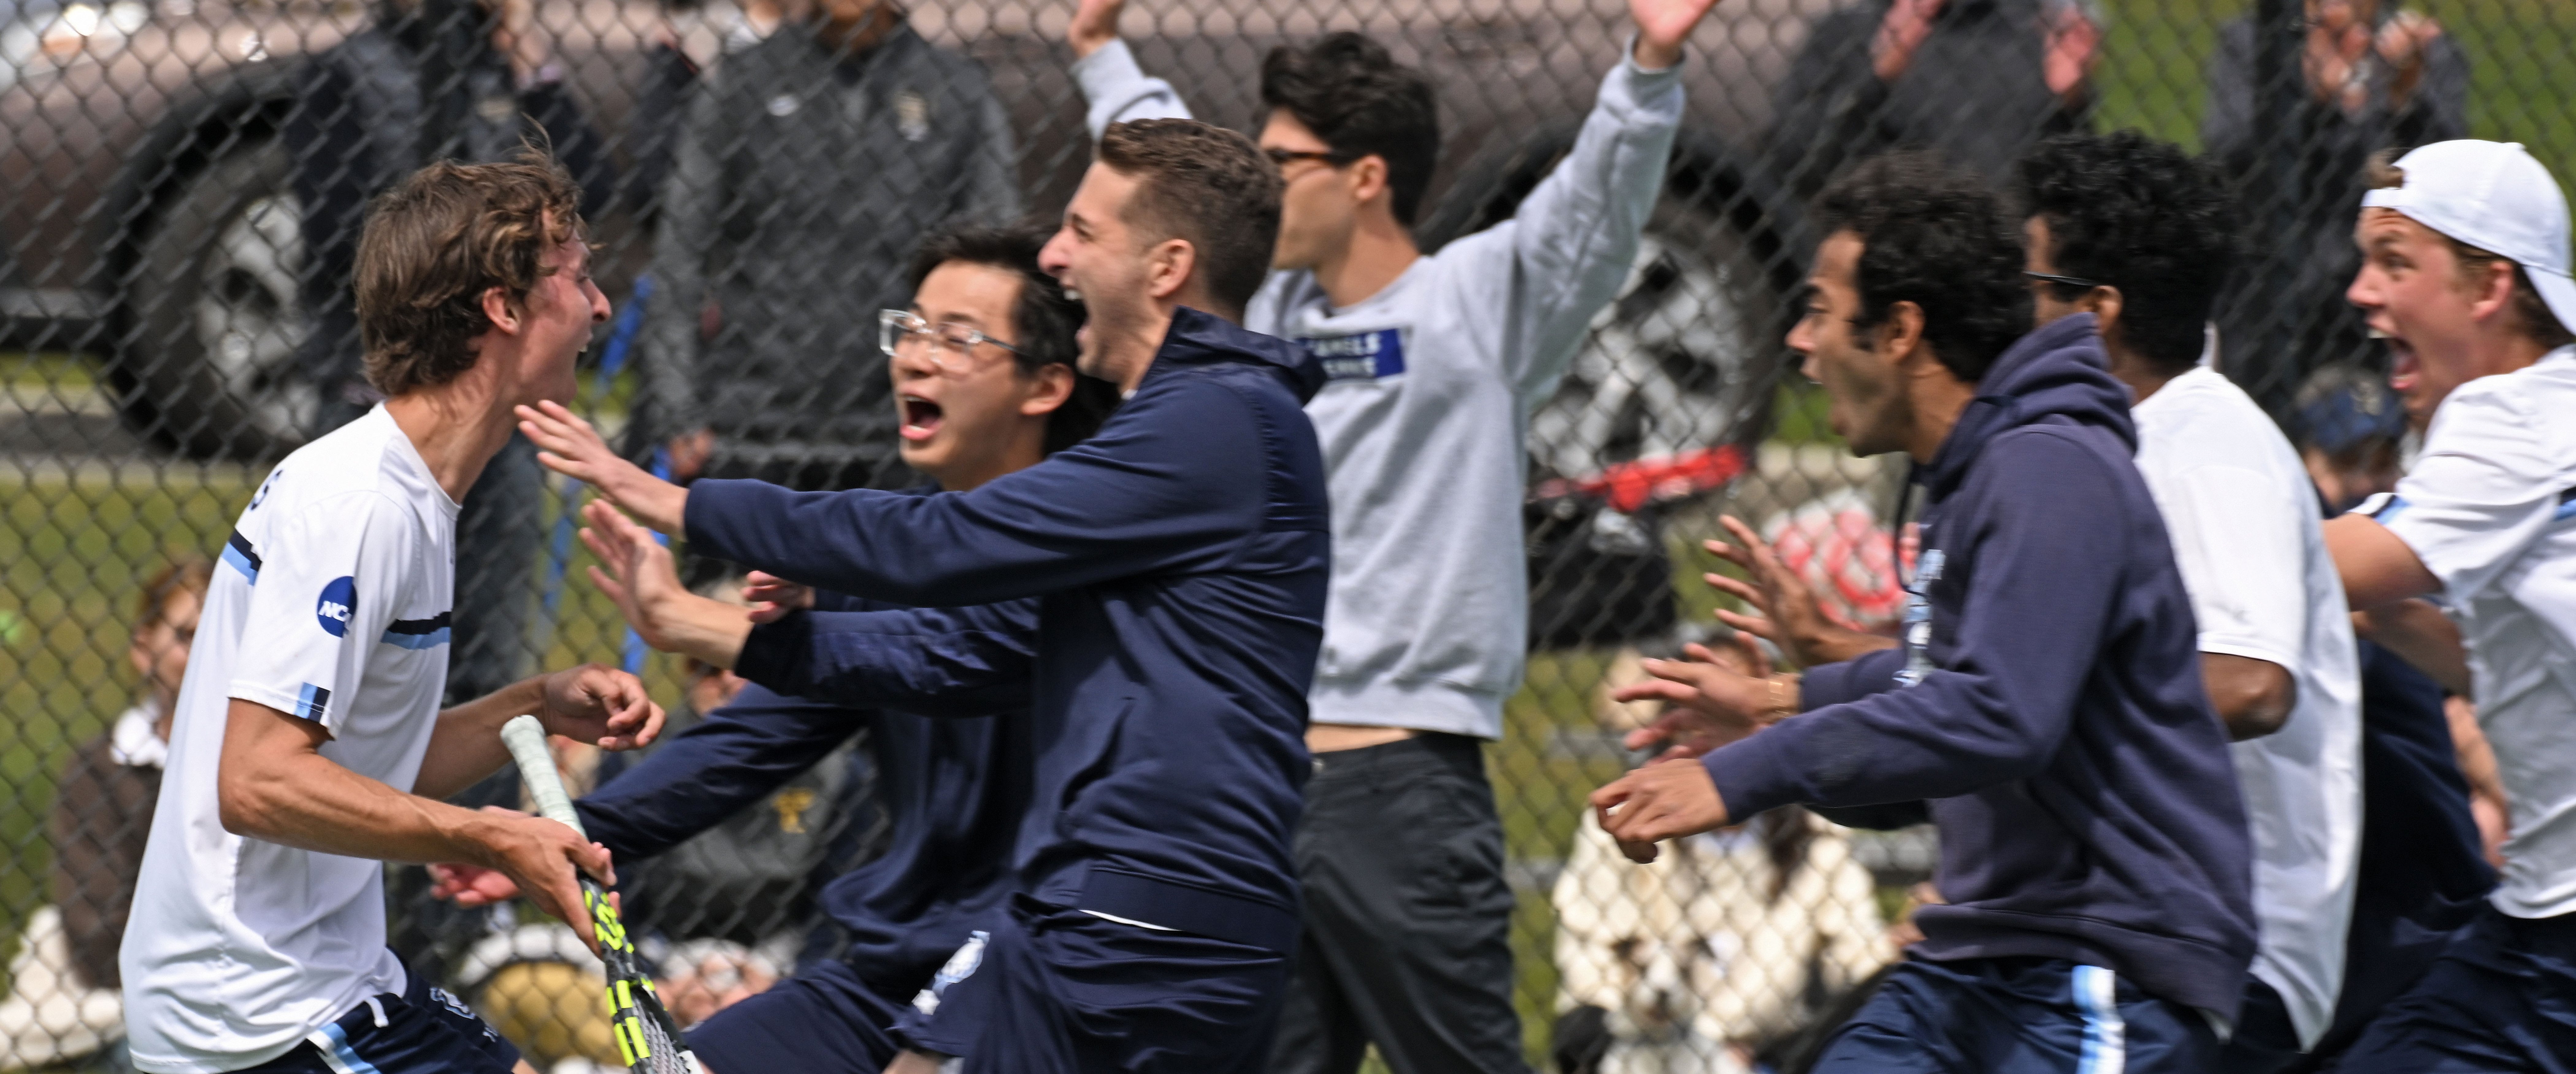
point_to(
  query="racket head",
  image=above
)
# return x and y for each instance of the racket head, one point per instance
(648, 1038)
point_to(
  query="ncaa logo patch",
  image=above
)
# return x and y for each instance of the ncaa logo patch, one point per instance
(339, 599)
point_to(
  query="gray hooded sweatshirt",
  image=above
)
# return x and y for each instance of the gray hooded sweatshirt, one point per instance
(1425, 418)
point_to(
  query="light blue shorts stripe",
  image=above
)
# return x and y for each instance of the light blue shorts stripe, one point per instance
(2106, 1047)
(333, 1042)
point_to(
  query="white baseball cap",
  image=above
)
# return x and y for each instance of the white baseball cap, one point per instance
(2494, 196)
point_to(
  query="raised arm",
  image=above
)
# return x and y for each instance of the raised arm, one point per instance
(1572, 242)
(1114, 88)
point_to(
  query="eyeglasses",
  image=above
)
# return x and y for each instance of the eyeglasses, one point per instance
(1284, 157)
(951, 344)
(2077, 282)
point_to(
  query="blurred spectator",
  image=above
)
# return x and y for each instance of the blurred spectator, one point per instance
(809, 166)
(1729, 943)
(1978, 81)
(2375, 77)
(2351, 433)
(63, 1004)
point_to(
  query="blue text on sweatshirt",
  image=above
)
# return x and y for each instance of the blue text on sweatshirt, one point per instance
(2056, 720)
(1180, 559)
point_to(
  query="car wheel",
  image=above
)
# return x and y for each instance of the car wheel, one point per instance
(1679, 361)
(217, 312)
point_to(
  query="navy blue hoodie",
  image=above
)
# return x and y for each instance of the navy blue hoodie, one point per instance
(1180, 560)
(2053, 713)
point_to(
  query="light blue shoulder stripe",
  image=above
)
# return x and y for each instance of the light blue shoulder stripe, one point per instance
(431, 640)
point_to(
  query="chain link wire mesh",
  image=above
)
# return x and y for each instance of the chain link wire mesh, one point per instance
(180, 184)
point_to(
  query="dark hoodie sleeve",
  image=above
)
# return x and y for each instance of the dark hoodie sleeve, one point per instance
(701, 776)
(1169, 484)
(934, 662)
(2036, 606)
(1850, 680)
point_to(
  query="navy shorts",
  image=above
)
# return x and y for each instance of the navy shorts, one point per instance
(422, 1031)
(1053, 990)
(823, 1020)
(2017, 1016)
(2501, 998)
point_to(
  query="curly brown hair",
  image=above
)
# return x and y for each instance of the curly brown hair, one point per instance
(440, 239)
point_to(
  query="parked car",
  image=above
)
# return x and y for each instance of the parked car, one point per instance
(146, 218)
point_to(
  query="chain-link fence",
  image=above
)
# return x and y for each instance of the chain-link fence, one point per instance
(181, 182)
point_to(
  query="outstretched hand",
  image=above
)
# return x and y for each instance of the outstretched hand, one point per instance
(1095, 24)
(1662, 26)
(601, 705)
(570, 446)
(644, 580)
(772, 597)
(1667, 799)
(1707, 706)
(1784, 609)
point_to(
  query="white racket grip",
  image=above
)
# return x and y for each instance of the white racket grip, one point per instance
(527, 741)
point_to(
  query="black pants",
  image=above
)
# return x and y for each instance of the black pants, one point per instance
(1408, 918)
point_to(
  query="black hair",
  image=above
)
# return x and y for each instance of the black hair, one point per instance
(1354, 96)
(2145, 217)
(1043, 317)
(1936, 236)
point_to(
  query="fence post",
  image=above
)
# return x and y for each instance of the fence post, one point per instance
(2271, 286)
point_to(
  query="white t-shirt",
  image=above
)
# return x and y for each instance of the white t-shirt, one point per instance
(2490, 509)
(331, 605)
(2242, 514)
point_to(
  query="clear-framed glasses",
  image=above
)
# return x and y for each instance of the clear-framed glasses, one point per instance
(952, 345)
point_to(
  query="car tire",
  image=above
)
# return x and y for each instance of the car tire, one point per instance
(216, 314)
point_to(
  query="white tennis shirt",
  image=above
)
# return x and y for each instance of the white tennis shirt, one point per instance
(2490, 509)
(331, 605)
(2243, 517)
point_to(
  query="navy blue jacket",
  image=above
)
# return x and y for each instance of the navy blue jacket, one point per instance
(2055, 717)
(1180, 560)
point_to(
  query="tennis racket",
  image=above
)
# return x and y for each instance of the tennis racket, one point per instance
(646, 1035)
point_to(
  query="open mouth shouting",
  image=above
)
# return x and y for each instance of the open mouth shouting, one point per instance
(921, 417)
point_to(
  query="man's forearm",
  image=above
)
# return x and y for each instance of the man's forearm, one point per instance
(711, 632)
(273, 786)
(2422, 636)
(466, 745)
